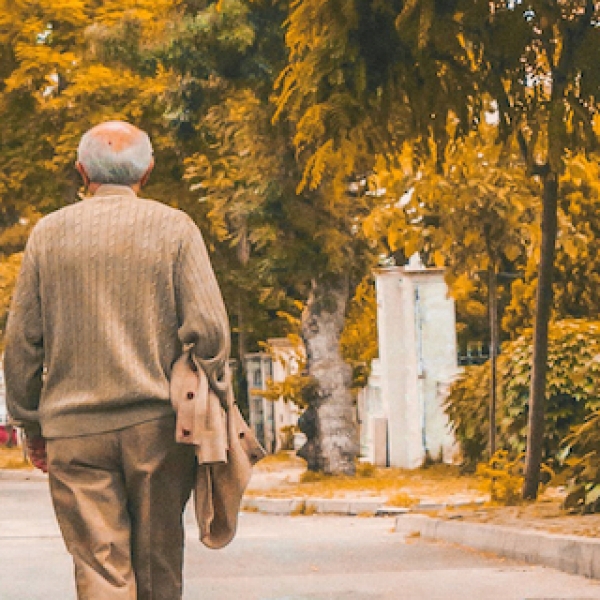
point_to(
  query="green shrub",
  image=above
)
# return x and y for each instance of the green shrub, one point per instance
(581, 458)
(572, 392)
(467, 409)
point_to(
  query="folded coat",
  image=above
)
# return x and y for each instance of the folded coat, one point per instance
(226, 450)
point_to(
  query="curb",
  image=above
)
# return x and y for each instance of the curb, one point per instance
(336, 506)
(309, 506)
(572, 554)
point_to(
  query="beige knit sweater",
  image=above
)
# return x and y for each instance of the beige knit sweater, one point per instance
(109, 291)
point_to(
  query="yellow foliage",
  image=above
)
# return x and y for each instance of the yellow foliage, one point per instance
(55, 67)
(9, 269)
(358, 341)
(402, 500)
(12, 458)
(296, 383)
(504, 477)
(235, 173)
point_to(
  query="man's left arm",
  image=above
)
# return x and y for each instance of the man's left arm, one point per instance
(202, 315)
(24, 351)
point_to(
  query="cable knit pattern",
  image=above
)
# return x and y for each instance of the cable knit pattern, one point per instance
(110, 290)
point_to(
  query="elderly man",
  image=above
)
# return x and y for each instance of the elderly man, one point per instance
(110, 290)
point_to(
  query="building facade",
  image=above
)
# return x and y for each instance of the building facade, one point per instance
(274, 422)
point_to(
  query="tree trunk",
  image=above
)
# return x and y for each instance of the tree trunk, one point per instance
(329, 422)
(537, 393)
(493, 313)
(572, 37)
(241, 326)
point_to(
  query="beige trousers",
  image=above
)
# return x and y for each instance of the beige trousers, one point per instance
(119, 499)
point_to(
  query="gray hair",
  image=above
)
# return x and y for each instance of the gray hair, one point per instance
(120, 164)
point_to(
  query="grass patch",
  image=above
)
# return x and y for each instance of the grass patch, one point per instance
(282, 460)
(314, 477)
(401, 485)
(304, 509)
(402, 500)
(12, 458)
(365, 469)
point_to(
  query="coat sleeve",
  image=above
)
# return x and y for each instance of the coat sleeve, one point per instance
(203, 321)
(24, 350)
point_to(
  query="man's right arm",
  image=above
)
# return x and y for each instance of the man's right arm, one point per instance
(24, 350)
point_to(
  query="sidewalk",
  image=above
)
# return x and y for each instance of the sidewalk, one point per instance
(537, 534)
(530, 534)
(22, 475)
(572, 554)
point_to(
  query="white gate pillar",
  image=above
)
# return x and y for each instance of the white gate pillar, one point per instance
(417, 353)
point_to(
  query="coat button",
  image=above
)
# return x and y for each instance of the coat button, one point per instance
(190, 395)
(242, 434)
(186, 432)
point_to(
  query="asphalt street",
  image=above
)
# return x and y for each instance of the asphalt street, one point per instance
(284, 558)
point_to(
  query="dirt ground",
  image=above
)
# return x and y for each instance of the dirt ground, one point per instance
(546, 514)
(276, 477)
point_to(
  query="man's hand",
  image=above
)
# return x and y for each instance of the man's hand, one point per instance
(36, 450)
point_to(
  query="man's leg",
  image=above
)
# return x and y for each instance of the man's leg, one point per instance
(88, 493)
(159, 477)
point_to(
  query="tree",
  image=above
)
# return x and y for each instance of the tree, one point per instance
(545, 82)
(68, 65)
(296, 242)
(286, 186)
(351, 87)
(368, 76)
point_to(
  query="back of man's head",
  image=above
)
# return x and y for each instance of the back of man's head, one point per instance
(115, 152)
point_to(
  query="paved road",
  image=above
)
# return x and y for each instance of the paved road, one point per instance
(284, 558)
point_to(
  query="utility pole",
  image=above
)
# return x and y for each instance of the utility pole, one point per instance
(493, 315)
